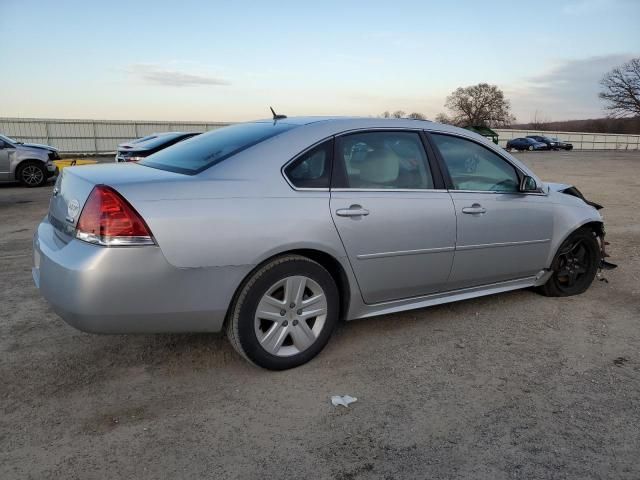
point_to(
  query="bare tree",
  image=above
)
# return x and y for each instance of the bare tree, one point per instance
(621, 89)
(398, 114)
(539, 121)
(481, 104)
(386, 114)
(416, 116)
(443, 118)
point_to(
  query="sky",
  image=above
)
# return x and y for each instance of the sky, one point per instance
(229, 61)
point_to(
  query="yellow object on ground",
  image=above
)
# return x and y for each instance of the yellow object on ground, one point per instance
(72, 162)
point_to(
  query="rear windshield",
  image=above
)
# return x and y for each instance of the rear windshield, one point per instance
(154, 141)
(199, 153)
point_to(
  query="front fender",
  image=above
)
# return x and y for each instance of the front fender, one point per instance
(568, 219)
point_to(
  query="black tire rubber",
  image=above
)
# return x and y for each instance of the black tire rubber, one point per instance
(29, 163)
(554, 287)
(240, 321)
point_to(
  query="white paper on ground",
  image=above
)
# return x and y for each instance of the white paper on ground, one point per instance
(343, 400)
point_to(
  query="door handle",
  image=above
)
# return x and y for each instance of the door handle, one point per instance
(352, 211)
(476, 208)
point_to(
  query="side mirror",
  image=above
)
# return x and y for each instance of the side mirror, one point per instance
(528, 184)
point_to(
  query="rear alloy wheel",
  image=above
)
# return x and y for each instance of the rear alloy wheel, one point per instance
(575, 265)
(284, 314)
(31, 174)
(530, 148)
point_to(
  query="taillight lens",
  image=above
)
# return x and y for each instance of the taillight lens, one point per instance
(108, 219)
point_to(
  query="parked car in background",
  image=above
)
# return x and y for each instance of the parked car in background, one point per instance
(273, 230)
(141, 148)
(525, 143)
(31, 164)
(549, 142)
(562, 145)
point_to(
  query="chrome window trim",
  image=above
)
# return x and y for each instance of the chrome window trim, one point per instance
(390, 190)
(502, 192)
(384, 129)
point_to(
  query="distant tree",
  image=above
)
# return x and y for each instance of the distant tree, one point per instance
(621, 89)
(398, 114)
(443, 118)
(386, 114)
(481, 104)
(539, 121)
(416, 116)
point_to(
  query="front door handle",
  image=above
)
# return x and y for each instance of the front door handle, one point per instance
(476, 209)
(352, 211)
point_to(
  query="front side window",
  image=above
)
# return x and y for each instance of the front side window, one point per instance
(474, 167)
(313, 168)
(383, 160)
(203, 151)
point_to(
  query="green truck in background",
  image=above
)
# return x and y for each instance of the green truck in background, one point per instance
(484, 131)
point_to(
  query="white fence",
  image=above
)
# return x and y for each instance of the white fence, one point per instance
(103, 136)
(91, 136)
(579, 140)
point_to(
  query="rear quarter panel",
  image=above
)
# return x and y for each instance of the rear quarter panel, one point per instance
(239, 229)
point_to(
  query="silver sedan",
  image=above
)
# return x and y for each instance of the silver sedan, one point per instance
(274, 230)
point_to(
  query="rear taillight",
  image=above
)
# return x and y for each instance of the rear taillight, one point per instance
(108, 219)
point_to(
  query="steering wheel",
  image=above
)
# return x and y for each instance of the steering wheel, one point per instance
(496, 186)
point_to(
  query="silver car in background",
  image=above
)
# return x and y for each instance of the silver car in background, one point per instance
(31, 164)
(273, 230)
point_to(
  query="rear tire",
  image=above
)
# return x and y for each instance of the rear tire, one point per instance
(530, 148)
(574, 266)
(31, 174)
(284, 313)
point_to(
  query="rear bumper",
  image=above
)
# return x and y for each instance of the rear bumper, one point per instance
(51, 170)
(129, 289)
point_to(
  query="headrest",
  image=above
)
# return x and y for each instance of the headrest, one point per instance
(380, 166)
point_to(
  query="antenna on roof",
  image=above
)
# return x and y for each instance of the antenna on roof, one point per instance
(275, 115)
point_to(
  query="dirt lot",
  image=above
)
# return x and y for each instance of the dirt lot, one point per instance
(510, 386)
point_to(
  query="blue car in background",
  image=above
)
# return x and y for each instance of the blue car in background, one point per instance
(522, 144)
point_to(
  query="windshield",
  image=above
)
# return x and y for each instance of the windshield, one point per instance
(203, 151)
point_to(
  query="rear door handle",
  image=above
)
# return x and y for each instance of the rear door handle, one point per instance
(352, 211)
(476, 208)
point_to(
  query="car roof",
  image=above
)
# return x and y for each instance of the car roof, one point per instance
(347, 123)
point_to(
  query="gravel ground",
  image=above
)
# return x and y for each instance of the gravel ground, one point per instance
(510, 386)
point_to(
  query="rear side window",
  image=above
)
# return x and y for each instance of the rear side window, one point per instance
(382, 160)
(313, 168)
(203, 151)
(474, 167)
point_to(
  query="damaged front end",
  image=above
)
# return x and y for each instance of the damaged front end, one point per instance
(604, 264)
(599, 232)
(574, 192)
